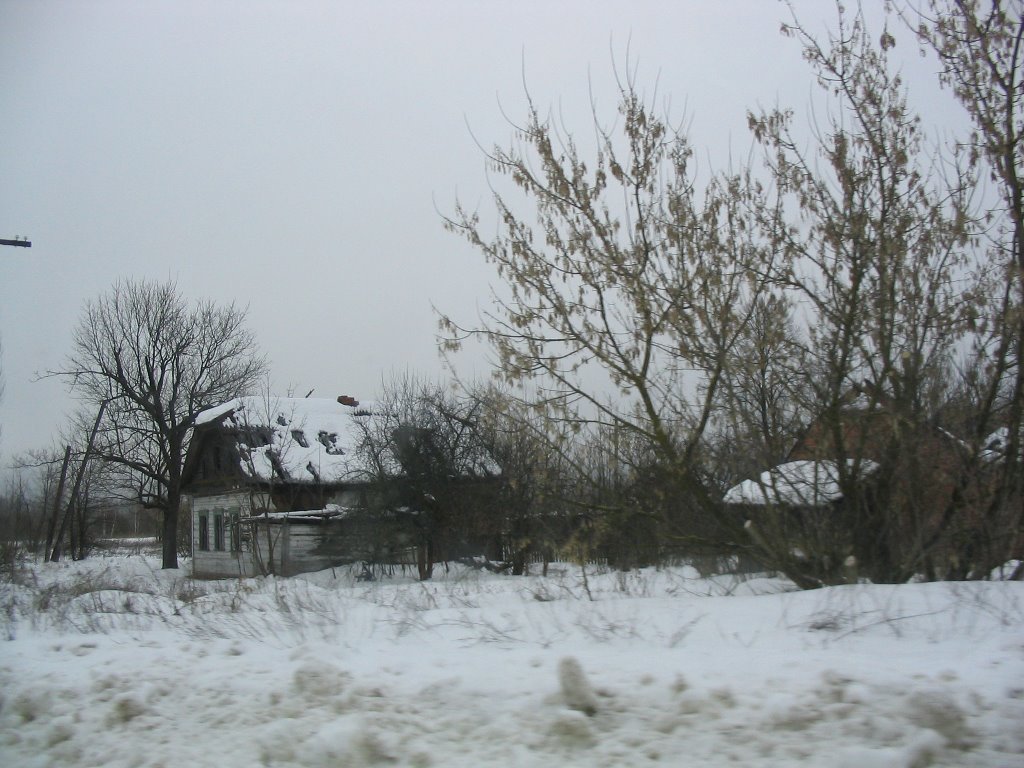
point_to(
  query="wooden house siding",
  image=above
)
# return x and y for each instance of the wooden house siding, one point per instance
(253, 545)
(222, 478)
(234, 559)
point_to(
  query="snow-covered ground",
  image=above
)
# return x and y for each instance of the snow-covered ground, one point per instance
(111, 662)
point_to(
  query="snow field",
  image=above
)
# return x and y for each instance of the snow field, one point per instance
(114, 663)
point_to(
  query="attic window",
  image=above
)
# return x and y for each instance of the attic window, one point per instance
(300, 437)
(329, 441)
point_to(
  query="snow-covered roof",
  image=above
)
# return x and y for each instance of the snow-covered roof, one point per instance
(796, 483)
(305, 440)
(997, 445)
(329, 512)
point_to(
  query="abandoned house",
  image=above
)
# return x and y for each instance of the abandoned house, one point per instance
(292, 485)
(866, 481)
(266, 477)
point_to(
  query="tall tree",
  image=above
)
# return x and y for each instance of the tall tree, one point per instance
(627, 293)
(766, 397)
(980, 46)
(877, 244)
(157, 361)
(533, 501)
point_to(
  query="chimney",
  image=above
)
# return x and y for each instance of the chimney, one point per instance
(348, 400)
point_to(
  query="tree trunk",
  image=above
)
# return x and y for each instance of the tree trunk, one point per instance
(170, 547)
(55, 554)
(519, 562)
(425, 560)
(52, 529)
(170, 527)
(176, 454)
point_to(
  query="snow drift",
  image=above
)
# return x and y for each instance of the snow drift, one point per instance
(113, 663)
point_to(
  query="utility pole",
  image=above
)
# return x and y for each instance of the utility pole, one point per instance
(52, 530)
(20, 242)
(55, 552)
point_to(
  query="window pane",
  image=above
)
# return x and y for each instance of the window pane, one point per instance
(204, 532)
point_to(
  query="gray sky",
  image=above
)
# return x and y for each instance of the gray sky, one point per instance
(289, 157)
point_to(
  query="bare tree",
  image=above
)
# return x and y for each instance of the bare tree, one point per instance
(627, 296)
(157, 362)
(25, 504)
(767, 401)
(980, 46)
(875, 232)
(842, 279)
(423, 453)
(533, 504)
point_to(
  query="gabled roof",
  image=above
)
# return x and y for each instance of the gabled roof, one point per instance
(796, 484)
(296, 440)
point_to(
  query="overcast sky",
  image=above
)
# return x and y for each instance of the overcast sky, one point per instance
(290, 157)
